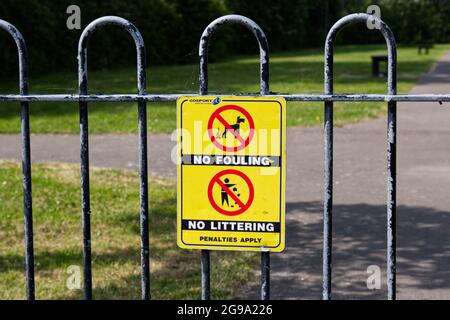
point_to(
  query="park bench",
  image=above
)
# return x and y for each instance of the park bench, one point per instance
(376, 60)
(426, 46)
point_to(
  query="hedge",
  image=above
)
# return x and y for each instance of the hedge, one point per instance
(172, 28)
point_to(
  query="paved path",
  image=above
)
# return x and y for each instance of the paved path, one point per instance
(359, 211)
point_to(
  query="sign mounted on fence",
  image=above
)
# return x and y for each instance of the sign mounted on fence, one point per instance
(231, 173)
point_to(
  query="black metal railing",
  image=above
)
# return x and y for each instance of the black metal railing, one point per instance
(391, 151)
(264, 79)
(26, 158)
(24, 98)
(84, 140)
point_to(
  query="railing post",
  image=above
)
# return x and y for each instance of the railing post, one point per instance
(391, 151)
(264, 90)
(26, 157)
(84, 140)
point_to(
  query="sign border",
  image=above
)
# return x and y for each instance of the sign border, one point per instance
(281, 245)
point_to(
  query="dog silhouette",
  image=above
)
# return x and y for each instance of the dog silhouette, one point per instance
(236, 127)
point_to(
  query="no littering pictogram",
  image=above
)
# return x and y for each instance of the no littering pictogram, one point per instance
(231, 183)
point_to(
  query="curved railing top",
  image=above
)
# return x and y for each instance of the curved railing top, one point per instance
(138, 40)
(390, 42)
(257, 32)
(22, 53)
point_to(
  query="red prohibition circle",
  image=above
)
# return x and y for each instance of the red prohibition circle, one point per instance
(216, 115)
(215, 180)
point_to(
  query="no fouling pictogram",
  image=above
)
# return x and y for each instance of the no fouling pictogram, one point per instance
(219, 138)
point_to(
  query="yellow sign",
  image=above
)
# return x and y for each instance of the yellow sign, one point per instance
(231, 173)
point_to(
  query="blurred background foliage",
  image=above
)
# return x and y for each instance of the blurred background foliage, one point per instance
(172, 28)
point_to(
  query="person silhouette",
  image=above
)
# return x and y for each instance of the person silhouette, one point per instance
(224, 193)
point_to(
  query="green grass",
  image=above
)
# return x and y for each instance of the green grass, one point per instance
(115, 238)
(293, 72)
